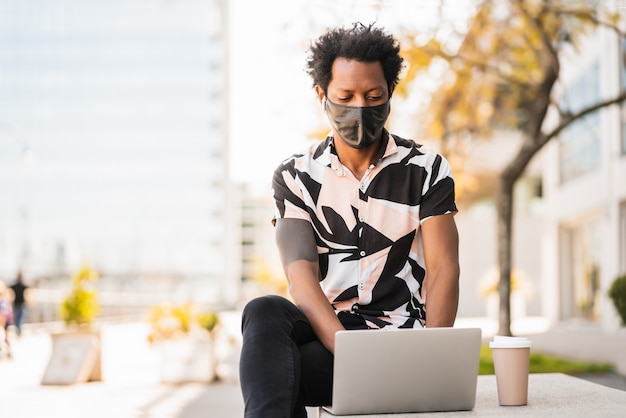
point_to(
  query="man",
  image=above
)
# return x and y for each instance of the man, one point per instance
(364, 226)
(19, 289)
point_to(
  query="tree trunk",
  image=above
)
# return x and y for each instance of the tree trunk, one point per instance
(504, 210)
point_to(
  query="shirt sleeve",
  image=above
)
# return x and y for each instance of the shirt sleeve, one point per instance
(287, 192)
(439, 197)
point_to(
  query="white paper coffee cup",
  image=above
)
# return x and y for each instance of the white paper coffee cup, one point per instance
(511, 364)
(500, 341)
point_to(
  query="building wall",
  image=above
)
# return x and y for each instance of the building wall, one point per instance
(113, 140)
(478, 261)
(583, 212)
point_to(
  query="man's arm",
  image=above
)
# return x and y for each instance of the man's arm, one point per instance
(441, 285)
(298, 252)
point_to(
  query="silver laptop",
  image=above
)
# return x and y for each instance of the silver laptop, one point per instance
(405, 370)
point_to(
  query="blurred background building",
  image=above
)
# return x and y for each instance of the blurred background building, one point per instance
(120, 124)
(114, 145)
(584, 242)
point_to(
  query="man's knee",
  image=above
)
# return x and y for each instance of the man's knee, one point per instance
(265, 309)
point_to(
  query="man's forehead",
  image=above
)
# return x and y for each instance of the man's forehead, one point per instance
(347, 73)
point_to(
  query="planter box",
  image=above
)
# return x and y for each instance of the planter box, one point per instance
(75, 358)
(187, 360)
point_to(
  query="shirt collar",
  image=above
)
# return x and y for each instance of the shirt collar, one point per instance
(326, 154)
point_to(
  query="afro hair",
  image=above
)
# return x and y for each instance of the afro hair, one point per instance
(362, 43)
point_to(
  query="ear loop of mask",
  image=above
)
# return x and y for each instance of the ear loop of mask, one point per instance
(324, 104)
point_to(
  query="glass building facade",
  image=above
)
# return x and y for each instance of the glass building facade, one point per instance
(113, 138)
(580, 142)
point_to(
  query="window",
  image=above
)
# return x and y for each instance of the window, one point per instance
(623, 126)
(581, 279)
(579, 143)
(623, 76)
(622, 237)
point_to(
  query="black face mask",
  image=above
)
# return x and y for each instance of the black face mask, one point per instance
(359, 127)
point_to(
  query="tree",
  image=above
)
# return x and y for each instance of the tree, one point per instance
(505, 75)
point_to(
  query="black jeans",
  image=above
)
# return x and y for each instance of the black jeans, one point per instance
(283, 366)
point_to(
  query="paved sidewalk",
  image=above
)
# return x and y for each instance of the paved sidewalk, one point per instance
(588, 344)
(131, 386)
(585, 344)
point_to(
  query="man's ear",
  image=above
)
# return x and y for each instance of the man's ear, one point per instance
(320, 93)
(391, 89)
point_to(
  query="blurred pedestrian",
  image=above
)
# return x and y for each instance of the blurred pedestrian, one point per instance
(6, 319)
(19, 301)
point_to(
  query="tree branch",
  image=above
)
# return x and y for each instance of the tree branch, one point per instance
(552, 54)
(576, 13)
(571, 117)
(536, 141)
(480, 64)
(562, 113)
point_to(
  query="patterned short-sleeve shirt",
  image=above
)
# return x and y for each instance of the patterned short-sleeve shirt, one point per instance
(368, 230)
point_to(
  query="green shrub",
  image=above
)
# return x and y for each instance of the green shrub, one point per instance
(546, 363)
(617, 292)
(208, 320)
(177, 321)
(81, 305)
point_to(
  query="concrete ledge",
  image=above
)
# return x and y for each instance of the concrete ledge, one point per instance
(549, 395)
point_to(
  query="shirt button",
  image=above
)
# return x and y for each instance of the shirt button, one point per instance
(361, 219)
(362, 253)
(362, 187)
(362, 286)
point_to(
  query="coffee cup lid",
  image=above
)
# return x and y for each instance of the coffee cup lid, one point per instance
(500, 341)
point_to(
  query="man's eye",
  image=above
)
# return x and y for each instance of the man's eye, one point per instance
(375, 98)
